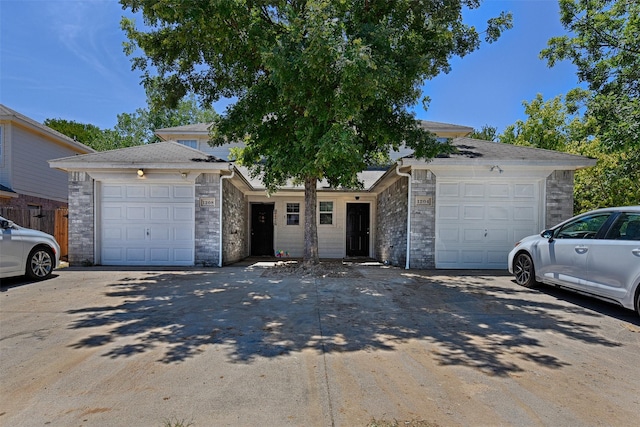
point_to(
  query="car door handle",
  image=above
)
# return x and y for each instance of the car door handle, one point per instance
(581, 249)
(636, 252)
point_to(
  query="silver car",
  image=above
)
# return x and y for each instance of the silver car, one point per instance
(596, 253)
(26, 252)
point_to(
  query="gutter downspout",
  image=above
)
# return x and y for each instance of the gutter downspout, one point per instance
(408, 175)
(233, 172)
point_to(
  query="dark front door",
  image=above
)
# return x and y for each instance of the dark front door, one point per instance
(358, 229)
(261, 229)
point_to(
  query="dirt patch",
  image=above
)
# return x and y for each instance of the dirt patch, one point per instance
(334, 269)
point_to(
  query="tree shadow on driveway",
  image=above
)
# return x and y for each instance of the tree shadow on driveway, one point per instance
(471, 321)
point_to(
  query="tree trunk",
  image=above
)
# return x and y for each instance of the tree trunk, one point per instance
(310, 225)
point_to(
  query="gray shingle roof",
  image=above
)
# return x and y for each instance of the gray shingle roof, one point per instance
(161, 155)
(476, 151)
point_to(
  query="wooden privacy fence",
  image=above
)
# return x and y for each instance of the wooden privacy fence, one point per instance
(54, 222)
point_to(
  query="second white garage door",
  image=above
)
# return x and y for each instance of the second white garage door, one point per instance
(147, 224)
(478, 222)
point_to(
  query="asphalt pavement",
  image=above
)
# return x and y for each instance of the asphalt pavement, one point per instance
(246, 346)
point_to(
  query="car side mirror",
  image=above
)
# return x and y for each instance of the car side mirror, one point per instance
(547, 234)
(4, 224)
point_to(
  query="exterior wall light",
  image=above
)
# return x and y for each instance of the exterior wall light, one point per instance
(140, 173)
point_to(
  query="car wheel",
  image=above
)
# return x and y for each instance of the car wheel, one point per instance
(40, 263)
(524, 271)
(637, 305)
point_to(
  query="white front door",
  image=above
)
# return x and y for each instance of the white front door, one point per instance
(147, 224)
(479, 220)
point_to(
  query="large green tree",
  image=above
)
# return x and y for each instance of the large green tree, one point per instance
(603, 41)
(323, 87)
(559, 124)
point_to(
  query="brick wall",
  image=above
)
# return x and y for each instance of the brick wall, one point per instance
(559, 197)
(391, 224)
(423, 220)
(81, 219)
(234, 224)
(207, 220)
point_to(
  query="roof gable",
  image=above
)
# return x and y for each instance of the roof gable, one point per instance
(10, 115)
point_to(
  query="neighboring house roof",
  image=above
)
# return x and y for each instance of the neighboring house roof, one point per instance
(479, 152)
(202, 129)
(8, 114)
(445, 129)
(199, 130)
(161, 155)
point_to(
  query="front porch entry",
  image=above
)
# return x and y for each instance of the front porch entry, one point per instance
(358, 229)
(262, 229)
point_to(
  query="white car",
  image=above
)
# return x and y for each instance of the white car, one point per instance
(596, 253)
(26, 252)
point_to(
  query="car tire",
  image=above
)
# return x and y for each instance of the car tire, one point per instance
(637, 301)
(524, 270)
(40, 263)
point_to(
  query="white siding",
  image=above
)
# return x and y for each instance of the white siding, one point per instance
(31, 173)
(5, 153)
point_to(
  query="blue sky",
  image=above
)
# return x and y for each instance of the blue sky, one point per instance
(64, 59)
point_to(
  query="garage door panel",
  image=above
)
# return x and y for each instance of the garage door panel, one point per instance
(473, 190)
(159, 213)
(473, 212)
(136, 192)
(498, 191)
(184, 192)
(499, 236)
(112, 213)
(135, 234)
(449, 234)
(524, 213)
(472, 257)
(159, 255)
(525, 191)
(148, 224)
(473, 235)
(449, 189)
(498, 213)
(183, 213)
(134, 213)
(449, 212)
(160, 192)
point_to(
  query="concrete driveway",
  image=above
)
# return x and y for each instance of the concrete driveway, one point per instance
(231, 346)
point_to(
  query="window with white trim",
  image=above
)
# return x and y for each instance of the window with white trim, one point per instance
(193, 143)
(326, 213)
(293, 213)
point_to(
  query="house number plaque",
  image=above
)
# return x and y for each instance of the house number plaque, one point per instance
(207, 201)
(424, 201)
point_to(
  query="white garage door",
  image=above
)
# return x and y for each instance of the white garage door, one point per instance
(478, 222)
(147, 224)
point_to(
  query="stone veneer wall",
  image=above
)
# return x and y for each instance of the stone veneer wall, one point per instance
(423, 220)
(81, 219)
(234, 224)
(207, 220)
(559, 197)
(391, 224)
